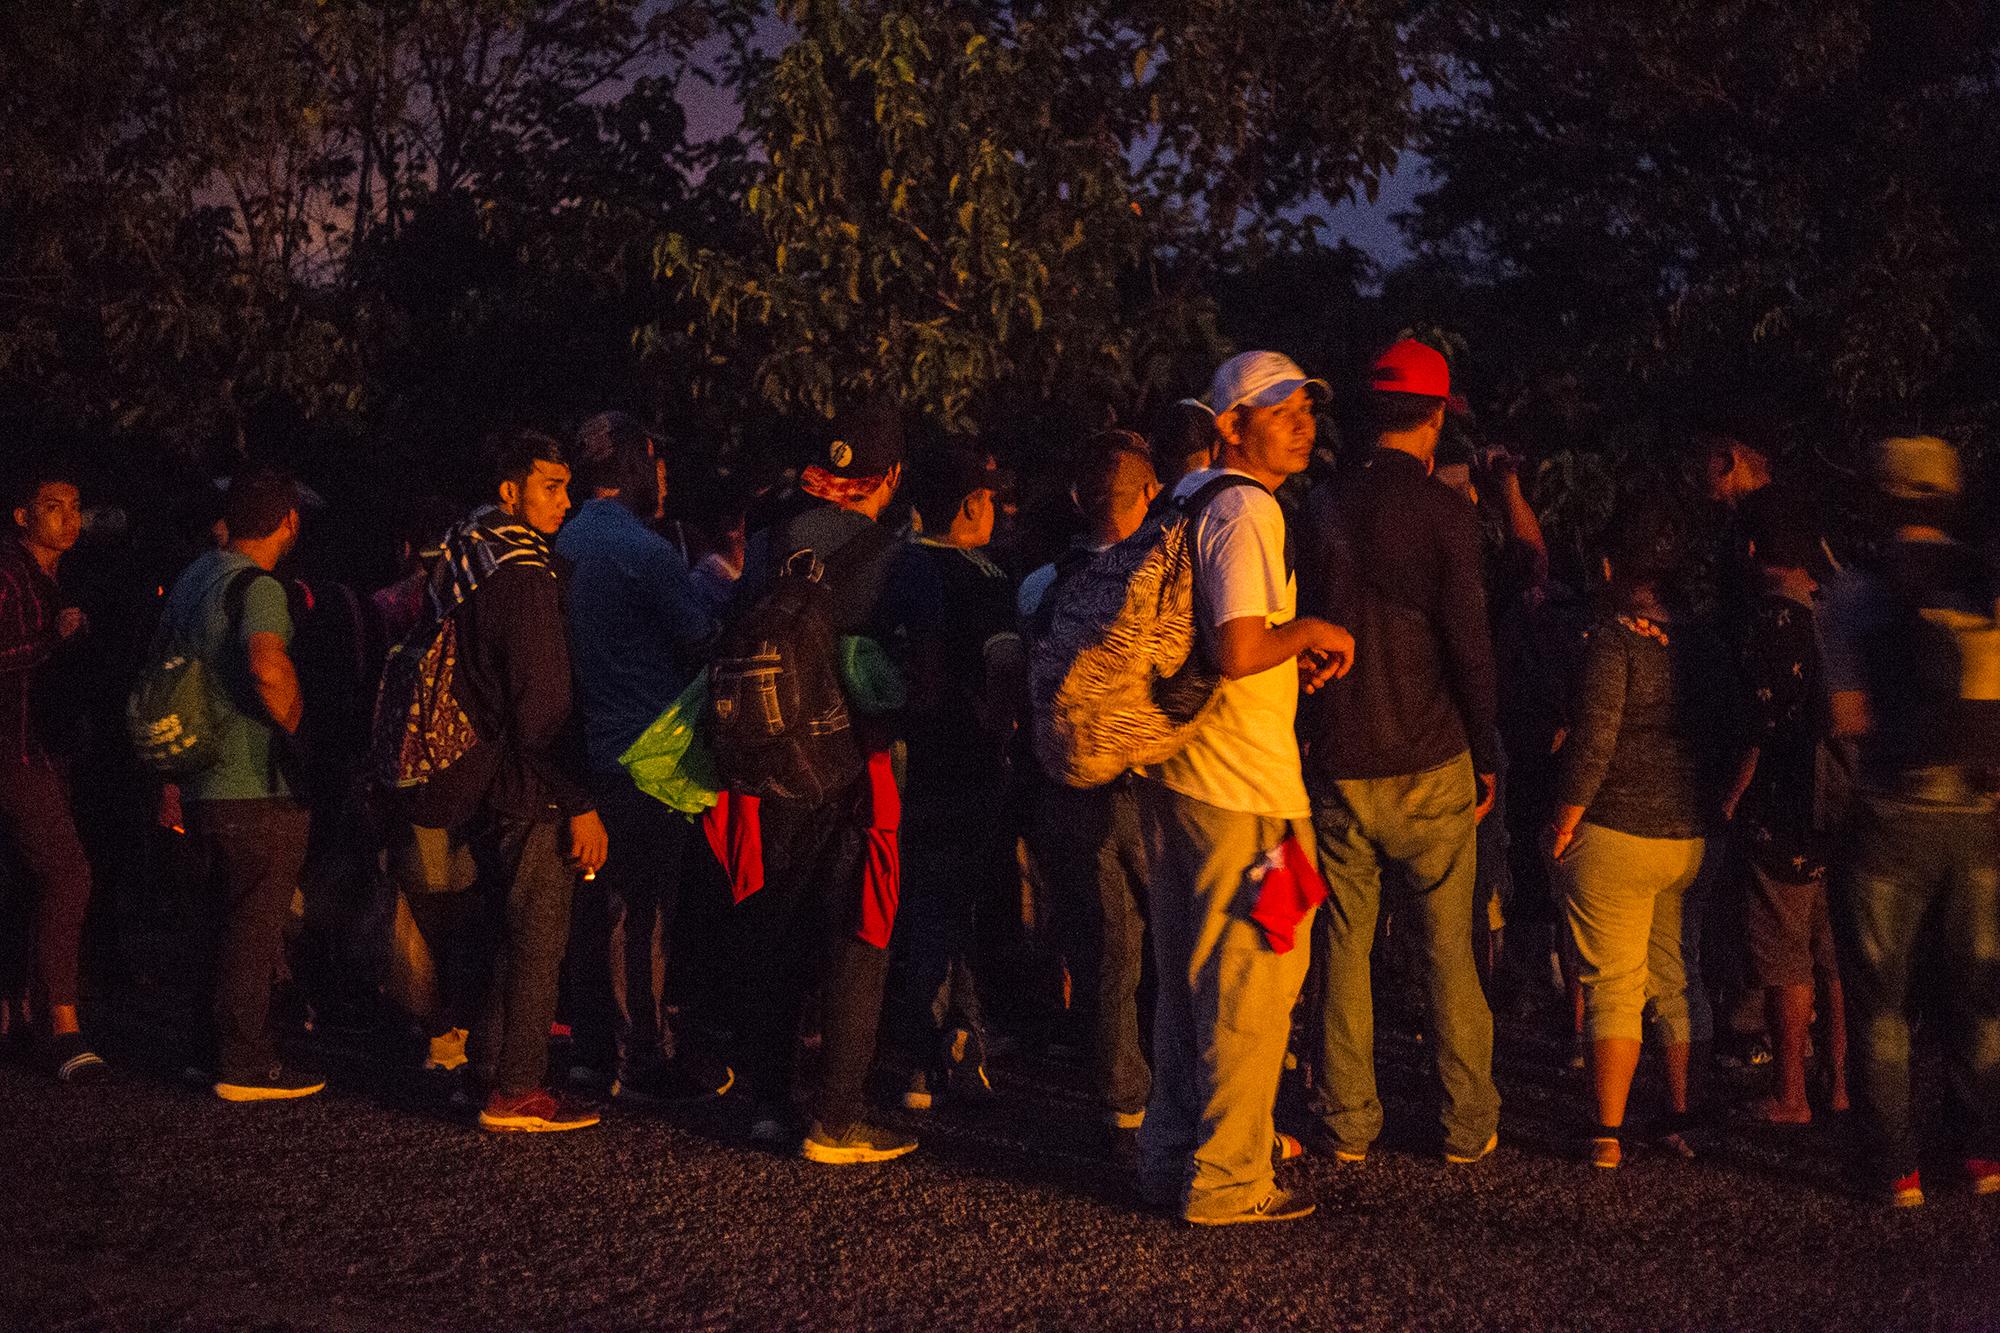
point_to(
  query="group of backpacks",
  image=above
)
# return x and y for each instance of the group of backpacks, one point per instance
(1117, 677)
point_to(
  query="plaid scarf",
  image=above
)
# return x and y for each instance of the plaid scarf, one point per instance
(474, 548)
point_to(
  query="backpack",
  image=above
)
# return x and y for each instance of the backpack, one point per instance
(777, 715)
(1114, 675)
(420, 726)
(170, 715)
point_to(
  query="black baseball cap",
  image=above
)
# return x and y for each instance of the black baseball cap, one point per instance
(864, 439)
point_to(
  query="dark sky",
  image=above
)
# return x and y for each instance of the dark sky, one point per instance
(712, 111)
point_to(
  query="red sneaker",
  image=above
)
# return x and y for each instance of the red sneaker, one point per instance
(535, 1112)
(1907, 1192)
(1983, 1174)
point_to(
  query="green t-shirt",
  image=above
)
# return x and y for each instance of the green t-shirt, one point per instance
(197, 615)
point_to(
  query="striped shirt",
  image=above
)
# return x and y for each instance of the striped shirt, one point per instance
(30, 604)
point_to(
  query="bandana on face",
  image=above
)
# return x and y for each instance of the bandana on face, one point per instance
(824, 485)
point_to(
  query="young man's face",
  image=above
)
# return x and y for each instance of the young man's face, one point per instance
(53, 520)
(541, 499)
(1273, 441)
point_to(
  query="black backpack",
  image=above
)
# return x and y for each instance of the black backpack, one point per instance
(777, 714)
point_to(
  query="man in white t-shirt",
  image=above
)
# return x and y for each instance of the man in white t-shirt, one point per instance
(1215, 813)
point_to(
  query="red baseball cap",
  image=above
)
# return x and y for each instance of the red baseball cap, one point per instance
(1411, 367)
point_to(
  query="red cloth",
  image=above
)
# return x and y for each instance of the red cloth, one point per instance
(736, 836)
(882, 879)
(1292, 887)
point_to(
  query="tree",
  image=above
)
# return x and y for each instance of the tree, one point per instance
(389, 218)
(1785, 201)
(969, 203)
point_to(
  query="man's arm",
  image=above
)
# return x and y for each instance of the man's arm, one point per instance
(1524, 528)
(276, 681)
(690, 630)
(23, 646)
(264, 628)
(524, 610)
(1248, 645)
(1467, 640)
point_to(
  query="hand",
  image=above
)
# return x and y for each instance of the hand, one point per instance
(589, 844)
(1489, 792)
(71, 622)
(1500, 464)
(1328, 654)
(1556, 841)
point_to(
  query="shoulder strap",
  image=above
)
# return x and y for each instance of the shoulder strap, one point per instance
(1198, 499)
(857, 551)
(1195, 501)
(236, 594)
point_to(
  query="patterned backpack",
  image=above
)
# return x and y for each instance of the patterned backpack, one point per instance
(420, 726)
(1115, 678)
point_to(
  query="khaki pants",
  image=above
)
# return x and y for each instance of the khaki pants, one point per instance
(1623, 895)
(1422, 826)
(1225, 1004)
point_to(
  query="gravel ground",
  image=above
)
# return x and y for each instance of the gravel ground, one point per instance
(147, 1204)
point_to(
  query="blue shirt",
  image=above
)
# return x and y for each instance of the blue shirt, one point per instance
(637, 625)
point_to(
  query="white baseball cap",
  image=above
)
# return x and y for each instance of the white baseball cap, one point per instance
(1260, 379)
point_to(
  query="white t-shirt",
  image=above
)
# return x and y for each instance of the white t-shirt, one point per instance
(1245, 755)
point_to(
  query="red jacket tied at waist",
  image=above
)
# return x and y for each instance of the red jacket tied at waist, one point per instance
(736, 837)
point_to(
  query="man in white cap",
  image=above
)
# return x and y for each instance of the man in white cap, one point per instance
(1216, 813)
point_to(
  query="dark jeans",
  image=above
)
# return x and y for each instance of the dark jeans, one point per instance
(623, 928)
(1096, 856)
(47, 943)
(797, 934)
(522, 899)
(1920, 889)
(255, 850)
(953, 824)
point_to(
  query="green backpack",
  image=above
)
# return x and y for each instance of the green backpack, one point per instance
(170, 714)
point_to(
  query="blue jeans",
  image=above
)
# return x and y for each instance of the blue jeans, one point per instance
(1920, 889)
(1422, 825)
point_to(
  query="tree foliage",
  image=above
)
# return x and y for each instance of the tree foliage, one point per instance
(1781, 201)
(400, 218)
(960, 201)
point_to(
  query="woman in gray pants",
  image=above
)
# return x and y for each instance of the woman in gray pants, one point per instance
(1637, 784)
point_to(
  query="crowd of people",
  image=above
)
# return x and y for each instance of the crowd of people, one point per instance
(1730, 778)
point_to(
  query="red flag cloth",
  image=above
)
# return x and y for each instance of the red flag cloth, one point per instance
(736, 837)
(882, 879)
(1291, 888)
